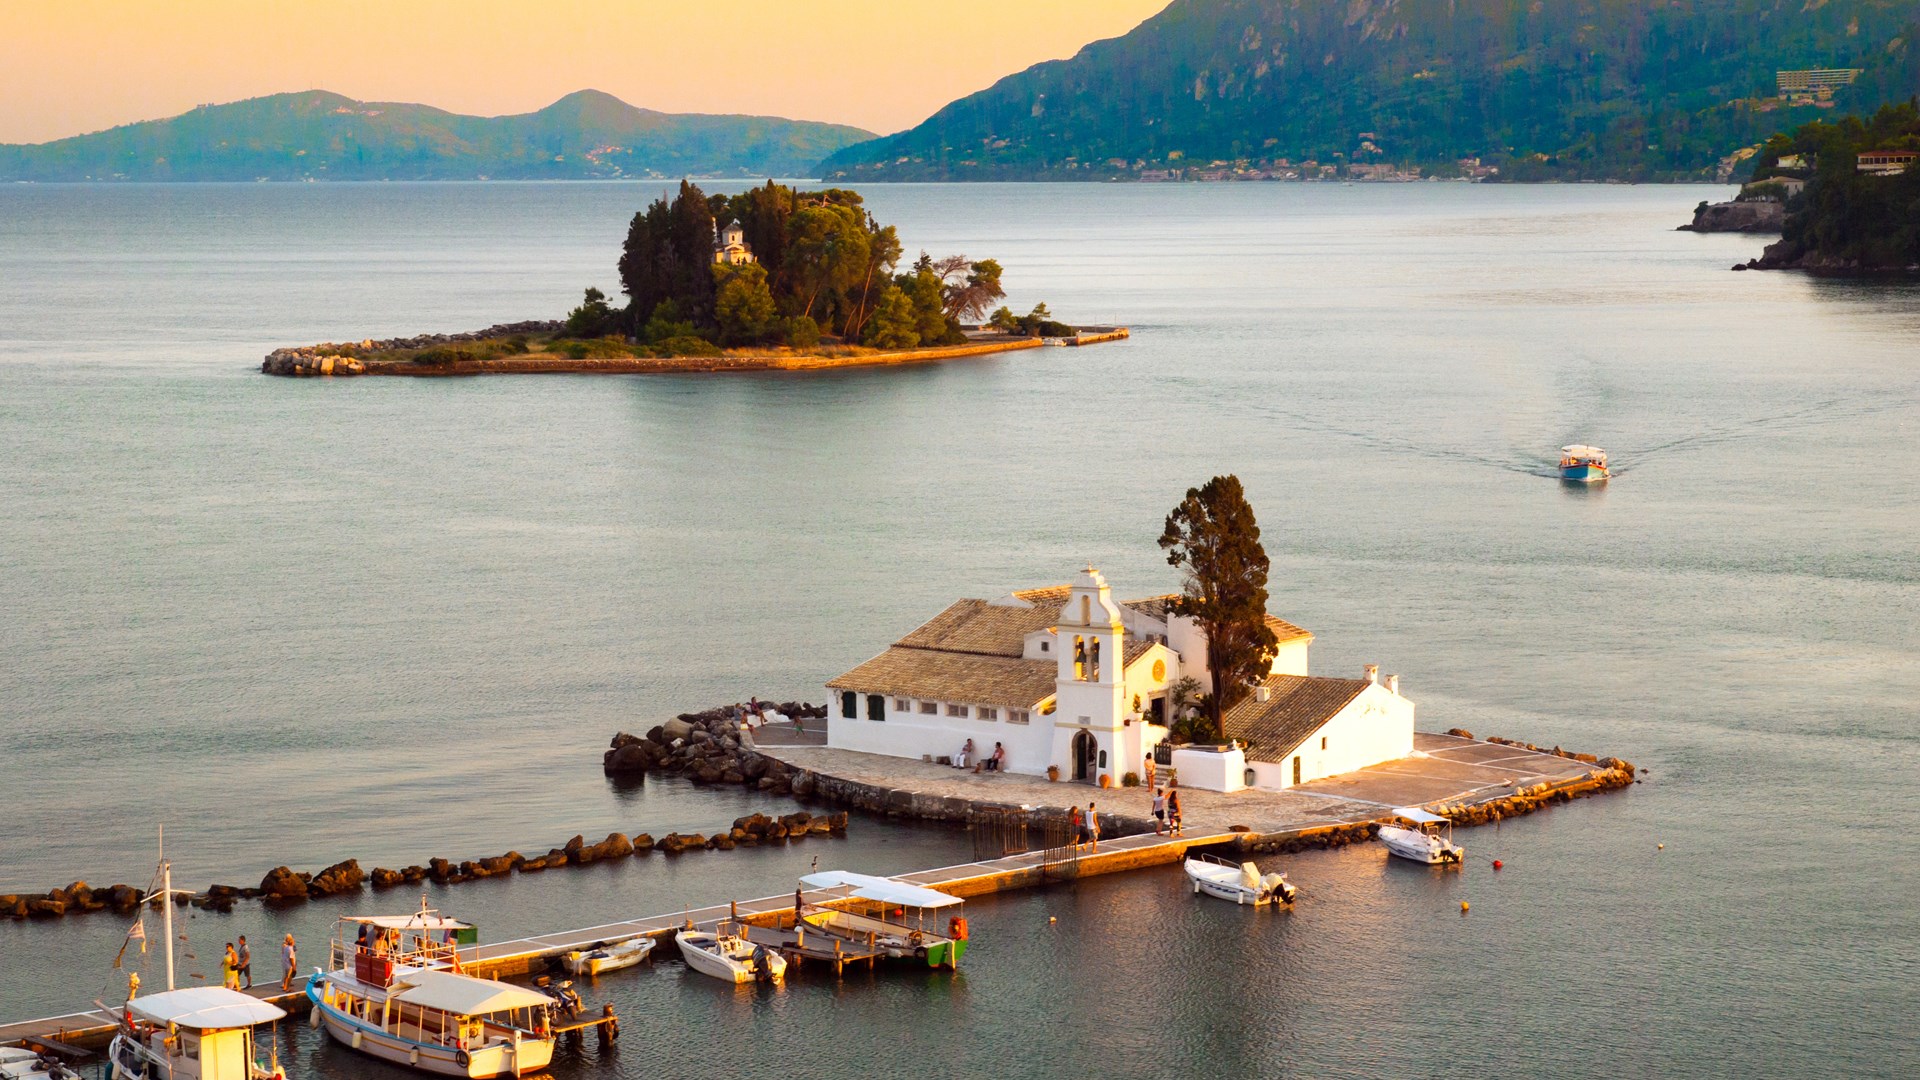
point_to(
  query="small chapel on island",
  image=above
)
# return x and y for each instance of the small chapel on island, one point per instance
(1067, 677)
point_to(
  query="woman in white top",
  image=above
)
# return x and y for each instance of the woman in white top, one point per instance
(966, 755)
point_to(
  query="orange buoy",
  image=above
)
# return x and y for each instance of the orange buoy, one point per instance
(1660, 847)
(1496, 864)
(1463, 907)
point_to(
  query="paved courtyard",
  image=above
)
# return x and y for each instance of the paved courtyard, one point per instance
(1442, 768)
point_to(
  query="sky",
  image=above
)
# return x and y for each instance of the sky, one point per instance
(73, 66)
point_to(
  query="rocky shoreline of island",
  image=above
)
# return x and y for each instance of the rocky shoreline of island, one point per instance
(541, 348)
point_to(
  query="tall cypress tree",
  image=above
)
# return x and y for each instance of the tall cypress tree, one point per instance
(1212, 535)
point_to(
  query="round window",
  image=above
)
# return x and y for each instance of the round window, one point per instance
(1159, 671)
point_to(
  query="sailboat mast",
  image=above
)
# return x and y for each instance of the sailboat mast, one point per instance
(166, 903)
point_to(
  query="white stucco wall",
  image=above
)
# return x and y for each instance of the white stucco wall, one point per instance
(913, 734)
(1377, 726)
(1210, 770)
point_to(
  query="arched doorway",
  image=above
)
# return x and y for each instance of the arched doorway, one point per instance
(1085, 752)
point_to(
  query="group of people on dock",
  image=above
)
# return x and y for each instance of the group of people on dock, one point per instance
(236, 965)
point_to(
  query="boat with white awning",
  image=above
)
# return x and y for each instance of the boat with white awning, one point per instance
(1420, 839)
(1583, 464)
(396, 993)
(194, 1033)
(871, 928)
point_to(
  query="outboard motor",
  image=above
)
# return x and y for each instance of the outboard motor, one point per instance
(762, 967)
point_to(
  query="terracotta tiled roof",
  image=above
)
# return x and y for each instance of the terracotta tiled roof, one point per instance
(1296, 705)
(1157, 607)
(969, 678)
(1284, 631)
(976, 626)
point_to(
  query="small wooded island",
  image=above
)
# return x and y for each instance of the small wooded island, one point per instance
(774, 278)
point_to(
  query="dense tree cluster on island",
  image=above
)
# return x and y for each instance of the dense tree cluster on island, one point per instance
(823, 268)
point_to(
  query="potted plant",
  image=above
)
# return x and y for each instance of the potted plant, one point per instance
(1053, 772)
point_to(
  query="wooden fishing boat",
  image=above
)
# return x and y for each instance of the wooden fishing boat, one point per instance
(195, 1033)
(932, 944)
(396, 993)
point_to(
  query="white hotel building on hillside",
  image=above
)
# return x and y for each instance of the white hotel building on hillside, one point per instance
(1064, 676)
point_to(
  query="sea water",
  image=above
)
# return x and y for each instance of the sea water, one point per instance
(392, 619)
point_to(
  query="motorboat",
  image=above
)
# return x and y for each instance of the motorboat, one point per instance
(396, 992)
(936, 946)
(194, 1033)
(1242, 884)
(1583, 464)
(22, 1063)
(609, 957)
(1421, 839)
(729, 957)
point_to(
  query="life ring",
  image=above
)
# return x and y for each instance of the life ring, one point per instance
(915, 938)
(462, 1058)
(957, 928)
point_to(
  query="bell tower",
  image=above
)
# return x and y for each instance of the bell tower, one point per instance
(1088, 710)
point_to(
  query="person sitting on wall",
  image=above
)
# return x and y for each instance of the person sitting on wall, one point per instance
(965, 757)
(998, 762)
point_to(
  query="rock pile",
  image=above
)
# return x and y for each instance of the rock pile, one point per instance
(73, 899)
(348, 358)
(707, 748)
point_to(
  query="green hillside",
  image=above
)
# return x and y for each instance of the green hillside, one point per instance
(1633, 89)
(323, 136)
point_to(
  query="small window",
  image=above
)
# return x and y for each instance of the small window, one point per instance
(929, 707)
(876, 707)
(957, 710)
(901, 704)
(1323, 742)
(1046, 646)
(986, 712)
(1017, 716)
(850, 705)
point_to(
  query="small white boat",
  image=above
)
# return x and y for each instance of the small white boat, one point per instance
(729, 957)
(20, 1063)
(195, 1033)
(1423, 843)
(1242, 884)
(610, 957)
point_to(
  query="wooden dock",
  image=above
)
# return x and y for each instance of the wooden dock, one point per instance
(91, 1029)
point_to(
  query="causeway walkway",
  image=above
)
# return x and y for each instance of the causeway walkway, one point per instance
(521, 956)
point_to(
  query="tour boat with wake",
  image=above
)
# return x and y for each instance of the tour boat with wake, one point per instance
(1242, 884)
(1583, 464)
(396, 993)
(1423, 842)
(729, 957)
(195, 1033)
(897, 940)
(609, 957)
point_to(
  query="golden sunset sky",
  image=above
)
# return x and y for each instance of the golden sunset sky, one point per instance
(72, 66)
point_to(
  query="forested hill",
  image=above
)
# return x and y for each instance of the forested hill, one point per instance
(1633, 89)
(324, 136)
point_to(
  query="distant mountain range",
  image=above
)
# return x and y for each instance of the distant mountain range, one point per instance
(323, 136)
(1565, 89)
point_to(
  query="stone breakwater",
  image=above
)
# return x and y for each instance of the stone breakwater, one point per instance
(711, 747)
(350, 358)
(282, 885)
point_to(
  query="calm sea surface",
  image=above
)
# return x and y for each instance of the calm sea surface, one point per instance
(394, 619)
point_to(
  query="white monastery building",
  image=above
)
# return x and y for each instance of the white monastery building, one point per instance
(1066, 677)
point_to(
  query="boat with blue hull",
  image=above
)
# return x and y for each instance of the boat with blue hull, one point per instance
(1583, 464)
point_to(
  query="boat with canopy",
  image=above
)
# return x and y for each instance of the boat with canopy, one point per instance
(1583, 464)
(935, 946)
(1423, 842)
(396, 993)
(194, 1033)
